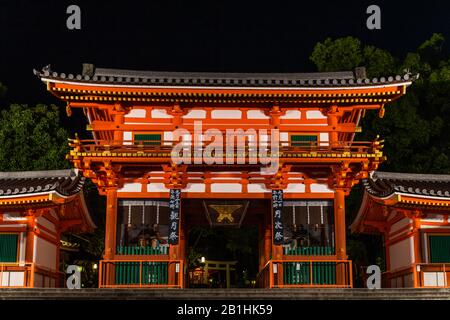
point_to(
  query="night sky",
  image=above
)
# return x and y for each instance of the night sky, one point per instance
(240, 36)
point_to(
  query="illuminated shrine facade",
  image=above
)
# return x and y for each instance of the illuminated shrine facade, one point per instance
(411, 212)
(299, 208)
(36, 209)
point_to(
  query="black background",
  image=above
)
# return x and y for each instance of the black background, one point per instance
(245, 36)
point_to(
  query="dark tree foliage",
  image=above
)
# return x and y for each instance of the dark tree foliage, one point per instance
(31, 139)
(415, 128)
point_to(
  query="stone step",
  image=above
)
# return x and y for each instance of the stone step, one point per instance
(224, 294)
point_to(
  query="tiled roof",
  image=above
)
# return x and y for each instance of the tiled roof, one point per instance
(65, 182)
(207, 79)
(382, 184)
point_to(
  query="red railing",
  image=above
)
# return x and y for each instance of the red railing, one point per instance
(419, 275)
(294, 273)
(16, 275)
(431, 275)
(158, 273)
(28, 275)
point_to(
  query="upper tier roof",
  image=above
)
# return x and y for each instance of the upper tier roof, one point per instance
(23, 183)
(206, 79)
(383, 184)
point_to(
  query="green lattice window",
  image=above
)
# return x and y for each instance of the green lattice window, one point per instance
(303, 140)
(8, 247)
(439, 249)
(148, 139)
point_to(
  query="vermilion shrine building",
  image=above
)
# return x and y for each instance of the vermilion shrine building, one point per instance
(299, 208)
(36, 208)
(411, 212)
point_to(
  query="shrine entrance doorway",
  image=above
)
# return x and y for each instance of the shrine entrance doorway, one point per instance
(225, 242)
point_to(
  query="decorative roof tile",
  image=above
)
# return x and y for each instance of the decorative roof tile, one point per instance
(65, 182)
(211, 79)
(383, 184)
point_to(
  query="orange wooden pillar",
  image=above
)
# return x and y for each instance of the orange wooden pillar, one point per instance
(417, 252)
(340, 236)
(267, 246)
(333, 122)
(267, 239)
(118, 120)
(260, 246)
(386, 281)
(173, 255)
(111, 220)
(110, 234)
(182, 249)
(29, 246)
(58, 281)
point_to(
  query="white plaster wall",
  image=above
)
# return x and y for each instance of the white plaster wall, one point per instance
(291, 114)
(433, 279)
(226, 187)
(22, 247)
(284, 139)
(195, 187)
(47, 224)
(324, 137)
(127, 137)
(400, 224)
(284, 136)
(256, 188)
(136, 113)
(295, 187)
(231, 179)
(315, 114)
(226, 114)
(401, 254)
(433, 218)
(160, 114)
(168, 135)
(13, 216)
(434, 227)
(256, 114)
(156, 187)
(320, 187)
(195, 114)
(12, 279)
(131, 187)
(44, 253)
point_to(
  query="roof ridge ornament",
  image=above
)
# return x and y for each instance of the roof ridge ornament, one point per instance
(88, 70)
(360, 72)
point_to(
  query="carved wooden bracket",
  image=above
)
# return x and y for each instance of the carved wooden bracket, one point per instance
(175, 176)
(279, 180)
